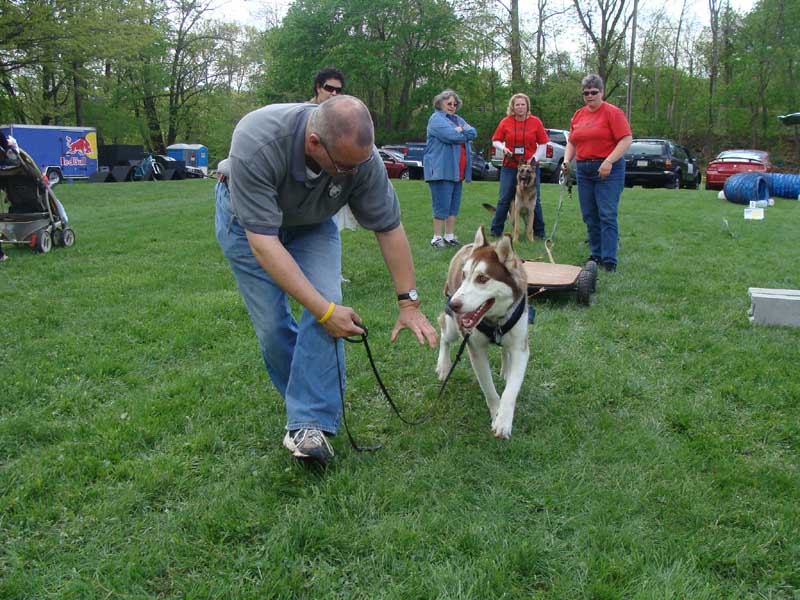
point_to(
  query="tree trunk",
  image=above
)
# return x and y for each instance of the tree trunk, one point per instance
(631, 62)
(77, 95)
(516, 48)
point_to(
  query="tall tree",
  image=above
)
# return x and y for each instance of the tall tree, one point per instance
(606, 24)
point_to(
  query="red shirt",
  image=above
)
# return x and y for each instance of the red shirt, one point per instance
(526, 134)
(595, 134)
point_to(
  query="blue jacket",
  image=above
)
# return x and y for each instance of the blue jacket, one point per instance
(443, 150)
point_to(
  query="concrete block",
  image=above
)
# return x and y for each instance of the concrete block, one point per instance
(774, 307)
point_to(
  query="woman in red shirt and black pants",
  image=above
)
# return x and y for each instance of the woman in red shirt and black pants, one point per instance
(521, 137)
(599, 135)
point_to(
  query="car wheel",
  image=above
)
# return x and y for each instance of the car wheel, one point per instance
(405, 175)
(556, 176)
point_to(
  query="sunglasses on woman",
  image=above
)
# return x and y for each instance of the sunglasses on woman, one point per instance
(332, 89)
(591, 92)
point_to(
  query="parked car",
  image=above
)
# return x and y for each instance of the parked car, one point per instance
(483, 170)
(412, 155)
(395, 165)
(550, 164)
(730, 162)
(660, 163)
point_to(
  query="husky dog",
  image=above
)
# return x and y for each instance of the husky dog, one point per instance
(487, 298)
(525, 199)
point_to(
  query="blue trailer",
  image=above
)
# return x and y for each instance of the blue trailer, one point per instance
(61, 152)
(195, 155)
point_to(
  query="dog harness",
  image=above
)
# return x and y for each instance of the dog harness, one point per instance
(494, 331)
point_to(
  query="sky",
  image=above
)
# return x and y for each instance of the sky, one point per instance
(253, 11)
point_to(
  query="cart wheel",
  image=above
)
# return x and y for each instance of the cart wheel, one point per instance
(44, 243)
(591, 267)
(65, 237)
(584, 287)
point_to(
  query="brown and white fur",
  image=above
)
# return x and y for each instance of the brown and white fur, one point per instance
(485, 282)
(525, 199)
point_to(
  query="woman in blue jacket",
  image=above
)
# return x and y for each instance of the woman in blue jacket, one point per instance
(447, 162)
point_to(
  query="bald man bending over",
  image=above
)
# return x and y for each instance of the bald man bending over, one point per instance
(291, 168)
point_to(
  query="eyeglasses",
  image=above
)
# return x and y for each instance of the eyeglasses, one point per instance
(332, 89)
(451, 104)
(591, 92)
(342, 171)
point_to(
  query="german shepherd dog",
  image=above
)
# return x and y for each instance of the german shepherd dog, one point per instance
(525, 199)
(487, 298)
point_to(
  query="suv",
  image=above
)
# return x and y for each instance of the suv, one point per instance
(553, 155)
(660, 163)
(483, 170)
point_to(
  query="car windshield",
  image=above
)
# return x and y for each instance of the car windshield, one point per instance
(557, 136)
(646, 148)
(738, 155)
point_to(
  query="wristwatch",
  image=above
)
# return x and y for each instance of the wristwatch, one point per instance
(410, 295)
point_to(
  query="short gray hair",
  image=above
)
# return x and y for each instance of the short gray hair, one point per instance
(340, 118)
(592, 81)
(439, 98)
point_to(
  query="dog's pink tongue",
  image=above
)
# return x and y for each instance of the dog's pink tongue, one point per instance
(471, 319)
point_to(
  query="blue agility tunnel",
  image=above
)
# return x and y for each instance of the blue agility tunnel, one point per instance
(783, 185)
(743, 188)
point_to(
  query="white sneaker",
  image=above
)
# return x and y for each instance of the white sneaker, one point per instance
(438, 242)
(309, 444)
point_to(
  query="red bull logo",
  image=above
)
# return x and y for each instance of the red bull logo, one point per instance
(78, 151)
(81, 146)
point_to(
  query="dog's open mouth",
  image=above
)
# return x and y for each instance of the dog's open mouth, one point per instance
(471, 319)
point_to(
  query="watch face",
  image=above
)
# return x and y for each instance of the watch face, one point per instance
(413, 296)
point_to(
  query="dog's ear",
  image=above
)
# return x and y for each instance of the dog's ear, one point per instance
(505, 251)
(480, 238)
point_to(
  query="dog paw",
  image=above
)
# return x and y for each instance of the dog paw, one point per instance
(501, 429)
(442, 369)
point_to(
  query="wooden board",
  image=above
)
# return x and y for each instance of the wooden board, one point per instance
(540, 273)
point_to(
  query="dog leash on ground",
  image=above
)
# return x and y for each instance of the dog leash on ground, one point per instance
(418, 421)
(548, 243)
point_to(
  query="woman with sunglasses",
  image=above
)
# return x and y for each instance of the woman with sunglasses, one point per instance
(521, 137)
(447, 162)
(598, 138)
(328, 82)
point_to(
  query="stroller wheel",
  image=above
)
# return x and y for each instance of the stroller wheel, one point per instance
(68, 237)
(44, 243)
(65, 237)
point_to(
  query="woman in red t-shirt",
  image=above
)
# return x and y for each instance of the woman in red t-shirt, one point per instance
(521, 137)
(599, 135)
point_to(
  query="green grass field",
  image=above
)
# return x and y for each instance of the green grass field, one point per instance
(655, 446)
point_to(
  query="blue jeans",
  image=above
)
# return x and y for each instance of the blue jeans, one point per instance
(299, 357)
(508, 189)
(445, 198)
(599, 199)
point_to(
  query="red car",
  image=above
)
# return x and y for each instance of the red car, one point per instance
(730, 162)
(395, 167)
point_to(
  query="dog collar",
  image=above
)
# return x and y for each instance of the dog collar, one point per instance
(496, 332)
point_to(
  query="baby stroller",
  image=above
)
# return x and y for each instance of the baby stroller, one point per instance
(35, 217)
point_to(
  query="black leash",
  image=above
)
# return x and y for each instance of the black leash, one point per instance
(418, 421)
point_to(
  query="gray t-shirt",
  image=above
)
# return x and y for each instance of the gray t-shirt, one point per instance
(269, 183)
